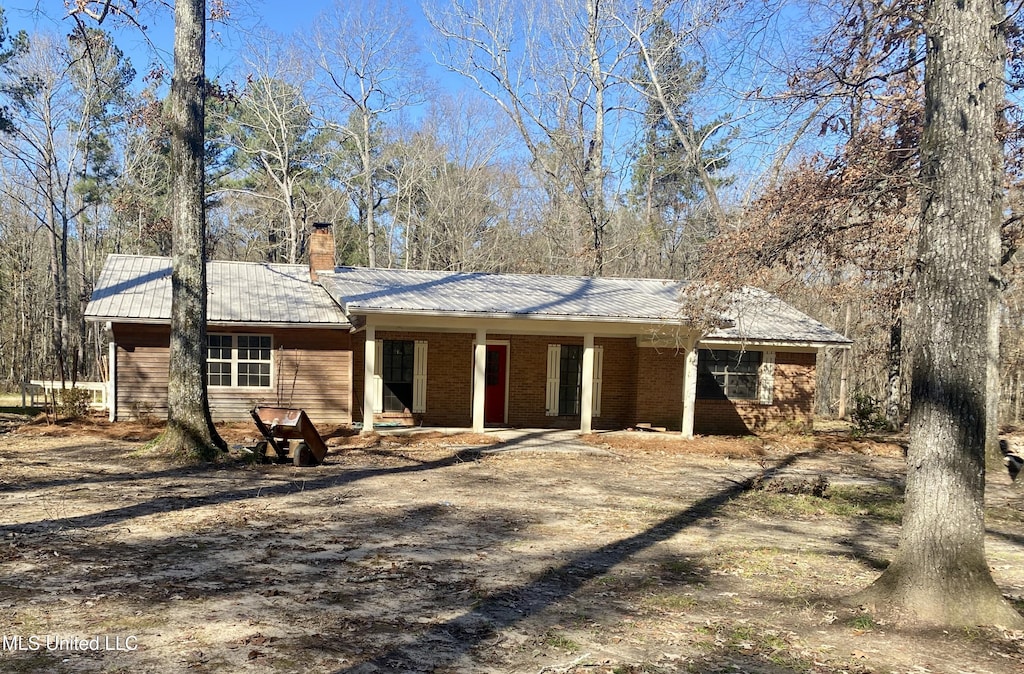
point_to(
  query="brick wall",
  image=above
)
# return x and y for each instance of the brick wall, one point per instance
(449, 378)
(792, 407)
(450, 385)
(639, 385)
(528, 383)
(659, 387)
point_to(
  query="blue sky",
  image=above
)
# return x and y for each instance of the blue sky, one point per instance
(297, 17)
(286, 18)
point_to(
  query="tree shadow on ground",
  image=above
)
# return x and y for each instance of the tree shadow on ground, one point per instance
(177, 503)
(507, 608)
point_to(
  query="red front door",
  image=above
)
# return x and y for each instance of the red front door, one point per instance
(494, 388)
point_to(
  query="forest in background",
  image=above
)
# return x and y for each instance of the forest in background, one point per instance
(765, 143)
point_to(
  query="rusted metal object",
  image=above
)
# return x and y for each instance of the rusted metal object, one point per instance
(291, 434)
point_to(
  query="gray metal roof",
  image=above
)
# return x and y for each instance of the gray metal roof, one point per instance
(755, 315)
(135, 288)
(138, 288)
(759, 316)
(361, 290)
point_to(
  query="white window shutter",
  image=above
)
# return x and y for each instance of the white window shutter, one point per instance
(554, 360)
(419, 378)
(766, 378)
(378, 378)
(598, 376)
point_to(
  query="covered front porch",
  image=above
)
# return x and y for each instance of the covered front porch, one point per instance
(496, 372)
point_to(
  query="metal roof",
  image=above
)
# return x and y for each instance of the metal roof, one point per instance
(363, 291)
(138, 288)
(753, 315)
(759, 316)
(135, 288)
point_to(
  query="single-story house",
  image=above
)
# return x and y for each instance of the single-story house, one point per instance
(363, 346)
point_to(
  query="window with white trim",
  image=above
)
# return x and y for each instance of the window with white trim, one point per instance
(239, 360)
(565, 380)
(726, 373)
(400, 376)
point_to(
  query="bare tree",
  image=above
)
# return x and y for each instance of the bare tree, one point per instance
(940, 574)
(553, 68)
(270, 130)
(57, 146)
(368, 57)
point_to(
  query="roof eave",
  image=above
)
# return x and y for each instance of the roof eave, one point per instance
(339, 325)
(781, 343)
(377, 311)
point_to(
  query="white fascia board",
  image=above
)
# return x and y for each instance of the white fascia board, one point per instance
(775, 345)
(122, 321)
(402, 321)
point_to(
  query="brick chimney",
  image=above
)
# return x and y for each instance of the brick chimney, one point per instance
(321, 249)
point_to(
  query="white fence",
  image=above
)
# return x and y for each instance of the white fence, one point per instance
(42, 391)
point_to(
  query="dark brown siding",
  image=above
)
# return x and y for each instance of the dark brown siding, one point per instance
(312, 370)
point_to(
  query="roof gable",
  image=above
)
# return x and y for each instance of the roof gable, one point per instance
(138, 288)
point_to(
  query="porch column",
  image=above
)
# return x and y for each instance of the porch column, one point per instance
(369, 366)
(111, 393)
(689, 387)
(479, 379)
(587, 390)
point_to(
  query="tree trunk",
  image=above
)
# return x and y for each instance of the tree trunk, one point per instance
(190, 431)
(894, 379)
(366, 158)
(940, 575)
(593, 178)
(993, 453)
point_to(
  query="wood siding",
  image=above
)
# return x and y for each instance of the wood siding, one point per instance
(312, 369)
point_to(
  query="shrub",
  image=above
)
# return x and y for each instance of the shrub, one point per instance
(867, 414)
(74, 403)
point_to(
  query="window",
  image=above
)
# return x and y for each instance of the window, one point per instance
(570, 379)
(397, 372)
(564, 391)
(723, 373)
(218, 360)
(400, 376)
(239, 360)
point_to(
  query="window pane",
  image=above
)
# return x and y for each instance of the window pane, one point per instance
(251, 353)
(218, 360)
(218, 373)
(397, 372)
(724, 373)
(570, 379)
(254, 374)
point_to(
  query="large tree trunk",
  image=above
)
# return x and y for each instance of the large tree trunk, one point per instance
(190, 431)
(940, 574)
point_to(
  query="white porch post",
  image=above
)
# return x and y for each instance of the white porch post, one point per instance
(587, 390)
(111, 393)
(369, 366)
(689, 387)
(479, 379)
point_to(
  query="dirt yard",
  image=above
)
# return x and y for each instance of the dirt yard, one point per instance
(438, 554)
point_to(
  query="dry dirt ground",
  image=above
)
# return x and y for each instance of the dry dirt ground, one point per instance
(436, 555)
